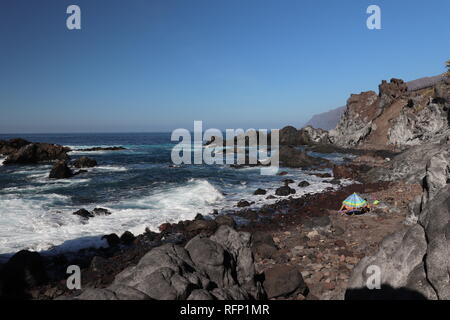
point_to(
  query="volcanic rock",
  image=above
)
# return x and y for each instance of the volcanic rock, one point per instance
(284, 281)
(284, 191)
(36, 152)
(84, 162)
(60, 170)
(260, 192)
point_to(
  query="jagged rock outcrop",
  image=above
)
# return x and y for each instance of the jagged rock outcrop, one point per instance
(31, 153)
(60, 170)
(313, 135)
(424, 119)
(356, 122)
(85, 162)
(10, 146)
(207, 268)
(388, 92)
(290, 136)
(395, 118)
(414, 262)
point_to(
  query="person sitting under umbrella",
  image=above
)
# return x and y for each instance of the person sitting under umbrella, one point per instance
(354, 203)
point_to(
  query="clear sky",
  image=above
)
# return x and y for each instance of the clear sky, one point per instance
(155, 65)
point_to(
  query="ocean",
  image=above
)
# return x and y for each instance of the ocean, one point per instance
(138, 185)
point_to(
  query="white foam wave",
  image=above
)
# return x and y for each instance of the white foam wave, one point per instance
(29, 223)
(110, 168)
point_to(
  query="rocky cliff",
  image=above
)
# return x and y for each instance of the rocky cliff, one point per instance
(396, 117)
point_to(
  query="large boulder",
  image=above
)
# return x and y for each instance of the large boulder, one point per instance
(207, 268)
(284, 281)
(263, 245)
(60, 170)
(284, 191)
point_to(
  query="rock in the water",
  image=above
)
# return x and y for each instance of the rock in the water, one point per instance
(260, 192)
(60, 170)
(101, 212)
(243, 203)
(37, 152)
(284, 281)
(10, 146)
(84, 214)
(102, 149)
(304, 184)
(284, 191)
(85, 162)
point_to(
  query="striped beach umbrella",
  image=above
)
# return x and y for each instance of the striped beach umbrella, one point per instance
(355, 201)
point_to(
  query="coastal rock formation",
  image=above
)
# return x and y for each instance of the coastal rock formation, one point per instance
(414, 263)
(85, 162)
(356, 122)
(85, 214)
(217, 267)
(395, 118)
(60, 170)
(32, 153)
(409, 166)
(284, 191)
(10, 146)
(293, 157)
(102, 149)
(421, 122)
(290, 136)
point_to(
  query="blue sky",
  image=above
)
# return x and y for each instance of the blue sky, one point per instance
(156, 65)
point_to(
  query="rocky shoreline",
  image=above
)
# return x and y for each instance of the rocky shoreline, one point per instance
(292, 237)
(297, 248)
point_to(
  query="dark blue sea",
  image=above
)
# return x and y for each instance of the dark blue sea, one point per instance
(138, 185)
